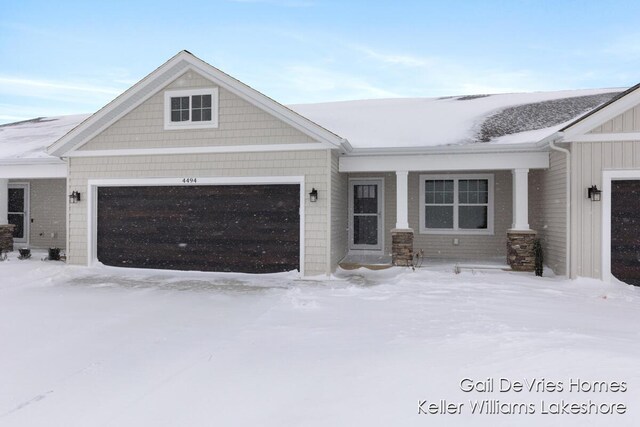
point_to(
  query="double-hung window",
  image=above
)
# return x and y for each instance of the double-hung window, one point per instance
(192, 108)
(456, 204)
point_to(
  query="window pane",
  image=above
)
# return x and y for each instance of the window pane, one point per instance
(463, 197)
(196, 101)
(483, 197)
(206, 101)
(429, 185)
(472, 217)
(365, 230)
(175, 103)
(195, 115)
(448, 197)
(185, 102)
(175, 116)
(448, 185)
(206, 115)
(483, 185)
(473, 197)
(463, 185)
(185, 116)
(438, 216)
(16, 200)
(430, 197)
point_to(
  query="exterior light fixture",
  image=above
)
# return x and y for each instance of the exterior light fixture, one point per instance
(313, 196)
(593, 193)
(74, 197)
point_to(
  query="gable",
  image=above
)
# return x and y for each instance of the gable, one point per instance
(629, 121)
(239, 124)
(142, 121)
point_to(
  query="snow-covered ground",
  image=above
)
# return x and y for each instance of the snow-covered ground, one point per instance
(114, 347)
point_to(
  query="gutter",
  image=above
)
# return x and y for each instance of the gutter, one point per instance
(552, 144)
(451, 149)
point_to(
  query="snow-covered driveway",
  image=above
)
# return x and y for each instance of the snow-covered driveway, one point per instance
(109, 347)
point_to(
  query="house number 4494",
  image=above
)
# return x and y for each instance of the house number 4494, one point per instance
(189, 180)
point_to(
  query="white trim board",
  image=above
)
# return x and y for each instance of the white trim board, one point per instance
(34, 170)
(445, 162)
(607, 177)
(311, 146)
(605, 137)
(92, 200)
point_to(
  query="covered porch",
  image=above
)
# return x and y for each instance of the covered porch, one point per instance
(453, 206)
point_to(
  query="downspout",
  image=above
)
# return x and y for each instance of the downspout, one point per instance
(567, 154)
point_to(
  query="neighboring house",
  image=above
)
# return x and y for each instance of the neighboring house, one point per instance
(191, 169)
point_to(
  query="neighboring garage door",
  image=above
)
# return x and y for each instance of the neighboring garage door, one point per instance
(625, 231)
(241, 228)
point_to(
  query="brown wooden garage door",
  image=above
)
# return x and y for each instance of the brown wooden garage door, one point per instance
(242, 228)
(625, 231)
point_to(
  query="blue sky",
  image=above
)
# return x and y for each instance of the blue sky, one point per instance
(68, 57)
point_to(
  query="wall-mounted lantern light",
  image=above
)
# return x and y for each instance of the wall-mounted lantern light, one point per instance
(593, 193)
(313, 196)
(74, 197)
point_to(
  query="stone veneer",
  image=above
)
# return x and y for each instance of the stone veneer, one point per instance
(402, 247)
(6, 237)
(520, 255)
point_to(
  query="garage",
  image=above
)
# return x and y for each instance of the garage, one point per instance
(232, 228)
(625, 231)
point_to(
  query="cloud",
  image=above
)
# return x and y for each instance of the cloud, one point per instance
(394, 59)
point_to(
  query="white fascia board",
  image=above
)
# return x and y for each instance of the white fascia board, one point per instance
(33, 170)
(599, 117)
(445, 162)
(451, 149)
(605, 137)
(199, 150)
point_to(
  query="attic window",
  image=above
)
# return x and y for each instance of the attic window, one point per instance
(191, 109)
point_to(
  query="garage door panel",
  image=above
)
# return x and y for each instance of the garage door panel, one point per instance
(625, 231)
(240, 228)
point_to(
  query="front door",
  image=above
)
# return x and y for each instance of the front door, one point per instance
(366, 216)
(18, 211)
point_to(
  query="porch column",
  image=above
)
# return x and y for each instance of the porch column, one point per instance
(6, 230)
(520, 238)
(520, 199)
(402, 235)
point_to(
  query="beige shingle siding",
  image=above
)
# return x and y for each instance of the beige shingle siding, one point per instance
(312, 164)
(240, 123)
(339, 213)
(588, 160)
(548, 208)
(48, 204)
(629, 121)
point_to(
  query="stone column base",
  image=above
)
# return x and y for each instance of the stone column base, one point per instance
(520, 254)
(6, 237)
(402, 246)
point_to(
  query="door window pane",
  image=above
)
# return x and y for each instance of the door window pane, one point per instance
(365, 198)
(18, 221)
(16, 199)
(365, 230)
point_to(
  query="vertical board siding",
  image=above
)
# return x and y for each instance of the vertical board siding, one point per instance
(589, 159)
(629, 121)
(47, 206)
(339, 212)
(240, 123)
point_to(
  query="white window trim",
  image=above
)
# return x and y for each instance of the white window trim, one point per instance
(169, 125)
(455, 230)
(607, 177)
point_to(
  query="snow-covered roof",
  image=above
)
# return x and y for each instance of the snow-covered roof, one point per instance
(29, 139)
(428, 122)
(384, 123)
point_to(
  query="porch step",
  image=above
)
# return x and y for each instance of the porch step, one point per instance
(372, 262)
(458, 268)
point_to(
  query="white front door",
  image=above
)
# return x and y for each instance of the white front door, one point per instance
(18, 212)
(366, 214)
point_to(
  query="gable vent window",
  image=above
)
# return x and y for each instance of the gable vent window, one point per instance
(194, 108)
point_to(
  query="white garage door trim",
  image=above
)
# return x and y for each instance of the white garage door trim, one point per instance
(607, 177)
(94, 184)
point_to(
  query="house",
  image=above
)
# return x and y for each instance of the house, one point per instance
(191, 169)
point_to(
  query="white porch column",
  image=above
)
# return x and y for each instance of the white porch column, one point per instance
(4, 201)
(402, 200)
(520, 199)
